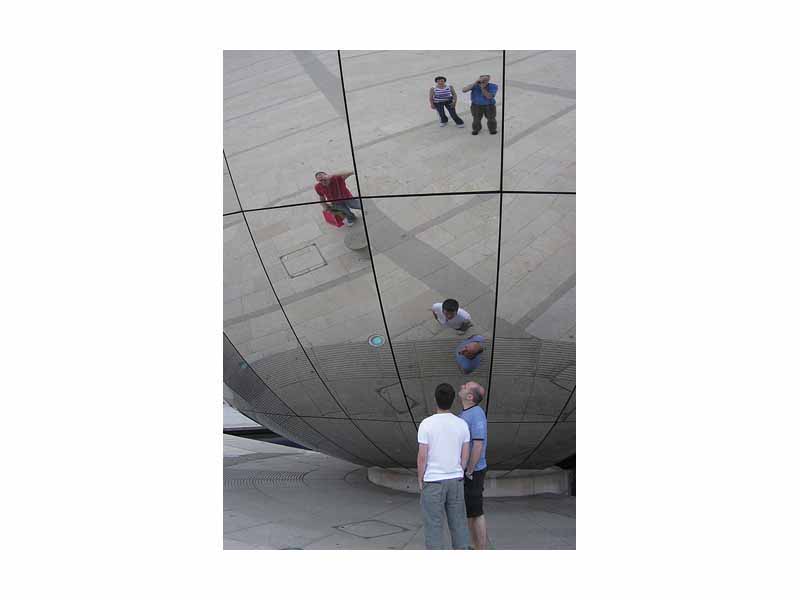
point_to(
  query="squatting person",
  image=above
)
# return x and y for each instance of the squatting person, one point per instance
(332, 190)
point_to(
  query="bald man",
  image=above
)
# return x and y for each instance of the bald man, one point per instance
(471, 395)
(468, 354)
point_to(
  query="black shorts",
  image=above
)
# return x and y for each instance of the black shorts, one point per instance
(473, 493)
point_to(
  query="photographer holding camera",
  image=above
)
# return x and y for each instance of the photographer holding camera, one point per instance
(482, 98)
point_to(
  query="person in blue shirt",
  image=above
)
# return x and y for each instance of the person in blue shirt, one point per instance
(468, 354)
(471, 394)
(482, 98)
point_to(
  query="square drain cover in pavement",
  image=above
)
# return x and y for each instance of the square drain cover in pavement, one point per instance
(303, 261)
(393, 396)
(370, 529)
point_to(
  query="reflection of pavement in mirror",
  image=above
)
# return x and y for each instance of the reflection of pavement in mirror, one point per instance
(283, 121)
(448, 255)
(540, 121)
(283, 116)
(277, 497)
(533, 378)
(280, 128)
(422, 364)
(537, 267)
(399, 145)
(446, 250)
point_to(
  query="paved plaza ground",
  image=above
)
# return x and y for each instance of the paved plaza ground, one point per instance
(277, 497)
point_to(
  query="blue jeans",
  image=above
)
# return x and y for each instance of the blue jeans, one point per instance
(439, 498)
(440, 106)
(344, 206)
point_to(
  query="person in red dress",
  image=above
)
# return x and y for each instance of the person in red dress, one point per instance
(332, 190)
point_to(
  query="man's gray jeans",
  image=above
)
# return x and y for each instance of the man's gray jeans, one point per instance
(439, 498)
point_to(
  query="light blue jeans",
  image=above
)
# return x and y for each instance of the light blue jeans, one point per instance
(439, 498)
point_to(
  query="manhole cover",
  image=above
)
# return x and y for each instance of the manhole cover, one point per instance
(392, 394)
(303, 261)
(370, 529)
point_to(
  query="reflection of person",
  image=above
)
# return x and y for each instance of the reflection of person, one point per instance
(443, 452)
(482, 98)
(468, 354)
(333, 189)
(471, 394)
(450, 315)
(443, 96)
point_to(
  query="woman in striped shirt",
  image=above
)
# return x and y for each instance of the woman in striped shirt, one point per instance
(443, 96)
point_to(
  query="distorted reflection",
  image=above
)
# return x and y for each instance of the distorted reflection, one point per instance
(302, 310)
(332, 189)
(443, 96)
(536, 322)
(435, 260)
(283, 115)
(539, 147)
(482, 94)
(399, 148)
(468, 353)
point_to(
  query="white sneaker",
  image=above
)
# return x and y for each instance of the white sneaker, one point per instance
(460, 125)
(442, 124)
(349, 223)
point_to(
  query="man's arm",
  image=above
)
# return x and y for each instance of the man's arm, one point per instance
(455, 96)
(430, 98)
(486, 93)
(422, 463)
(326, 203)
(343, 174)
(475, 456)
(464, 455)
(469, 87)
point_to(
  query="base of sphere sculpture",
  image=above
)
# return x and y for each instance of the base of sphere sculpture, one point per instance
(498, 484)
(356, 238)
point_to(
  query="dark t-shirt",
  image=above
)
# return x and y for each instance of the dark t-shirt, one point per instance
(335, 190)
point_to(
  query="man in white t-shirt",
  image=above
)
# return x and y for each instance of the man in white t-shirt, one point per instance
(450, 315)
(443, 452)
